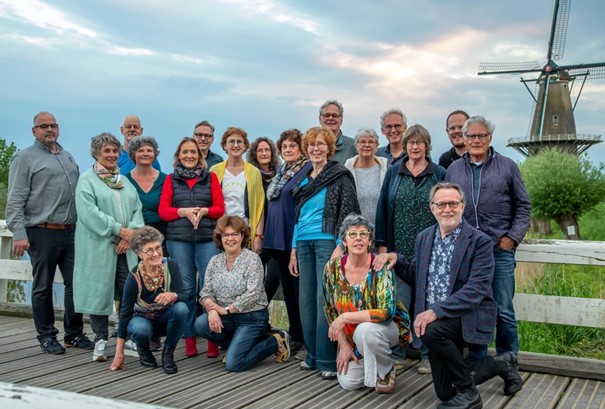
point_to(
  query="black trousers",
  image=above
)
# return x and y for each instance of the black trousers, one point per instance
(277, 266)
(450, 372)
(49, 249)
(100, 323)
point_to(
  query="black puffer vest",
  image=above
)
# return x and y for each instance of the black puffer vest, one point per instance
(199, 196)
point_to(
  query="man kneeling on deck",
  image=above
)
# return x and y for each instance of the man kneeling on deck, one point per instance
(452, 275)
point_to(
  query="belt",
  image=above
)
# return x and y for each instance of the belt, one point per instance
(54, 226)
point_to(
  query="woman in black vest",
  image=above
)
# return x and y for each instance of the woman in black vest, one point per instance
(191, 202)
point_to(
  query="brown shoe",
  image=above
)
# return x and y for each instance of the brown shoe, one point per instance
(386, 385)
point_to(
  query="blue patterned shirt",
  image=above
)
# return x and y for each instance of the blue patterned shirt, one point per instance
(440, 265)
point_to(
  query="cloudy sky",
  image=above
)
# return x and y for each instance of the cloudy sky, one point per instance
(267, 65)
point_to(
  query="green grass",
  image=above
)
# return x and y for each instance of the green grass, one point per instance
(568, 281)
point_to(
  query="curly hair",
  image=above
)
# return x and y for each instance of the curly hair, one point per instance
(140, 141)
(199, 151)
(236, 223)
(311, 136)
(234, 130)
(102, 139)
(251, 154)
(293, 135)
(143, 236)
(356, 220)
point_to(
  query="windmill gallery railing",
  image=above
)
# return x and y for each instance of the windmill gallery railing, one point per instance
(583, 312)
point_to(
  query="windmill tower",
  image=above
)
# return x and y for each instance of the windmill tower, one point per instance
(553, 123)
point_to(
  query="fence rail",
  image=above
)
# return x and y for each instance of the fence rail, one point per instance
(551, 309)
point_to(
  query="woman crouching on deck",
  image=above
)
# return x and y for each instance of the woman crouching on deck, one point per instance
(154, 303)
(362, 310)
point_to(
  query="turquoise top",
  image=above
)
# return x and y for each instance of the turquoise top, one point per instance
(151, 199)
(310, 219)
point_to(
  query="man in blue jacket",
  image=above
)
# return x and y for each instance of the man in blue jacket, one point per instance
(451, 275)
(498, 206)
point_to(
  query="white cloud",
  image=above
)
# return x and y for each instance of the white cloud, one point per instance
(113, 49)
(43, 16)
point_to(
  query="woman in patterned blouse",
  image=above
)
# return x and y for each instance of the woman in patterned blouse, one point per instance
(235, 301)
(362, 309)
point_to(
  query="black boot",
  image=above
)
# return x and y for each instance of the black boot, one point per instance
(507, 370)
(168, 360)
(146, 356)
(467, 398)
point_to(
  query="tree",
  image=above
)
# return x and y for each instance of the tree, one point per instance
(6, 154)
(563, 187)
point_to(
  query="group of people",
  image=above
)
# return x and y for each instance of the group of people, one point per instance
(237, 229)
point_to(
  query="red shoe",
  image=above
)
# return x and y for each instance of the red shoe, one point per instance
(212, 349)
(190, 347)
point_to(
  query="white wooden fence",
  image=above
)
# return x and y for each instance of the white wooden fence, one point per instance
(583, 312)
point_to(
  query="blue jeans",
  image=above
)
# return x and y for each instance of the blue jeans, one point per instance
(312, 258)
(192, 258)
(243, 336)
(170, 324)
(503, 287)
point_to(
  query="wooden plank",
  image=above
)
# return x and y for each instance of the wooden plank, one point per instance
(584, 394)
(582, 312)
(562, 252)
(562, 365)
(540, 391)
(21, 270)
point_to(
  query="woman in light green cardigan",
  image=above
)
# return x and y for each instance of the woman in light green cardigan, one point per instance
(109, 210)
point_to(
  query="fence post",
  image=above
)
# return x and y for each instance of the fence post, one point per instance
(6, 243)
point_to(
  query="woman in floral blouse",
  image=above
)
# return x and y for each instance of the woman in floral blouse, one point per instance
(235, 301)
(362, 309)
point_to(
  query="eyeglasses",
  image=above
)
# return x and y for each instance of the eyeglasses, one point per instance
(417, 143)
(391, 127)
(441, 205)
(151, 250)
(231, 235)
(319, 145)
(199, 135)
(46, 126)
(366, 142)
(328, 115)
(362, 234)
(232, 142)
(481, 136)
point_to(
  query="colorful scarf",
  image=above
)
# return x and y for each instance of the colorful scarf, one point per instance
(111, 178)
(284, 174)
(186, 173)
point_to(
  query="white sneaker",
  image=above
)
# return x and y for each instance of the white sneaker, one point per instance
(130, 348)
(99, 354)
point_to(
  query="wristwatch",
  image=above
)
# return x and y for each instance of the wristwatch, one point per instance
(228, 310)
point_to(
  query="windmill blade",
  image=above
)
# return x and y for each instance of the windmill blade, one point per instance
(558, 30)
(592, 71)
(489, 68)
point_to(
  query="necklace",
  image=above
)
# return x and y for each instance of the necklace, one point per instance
(152, 282)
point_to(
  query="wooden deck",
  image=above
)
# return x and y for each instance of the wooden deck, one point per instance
(203, 382)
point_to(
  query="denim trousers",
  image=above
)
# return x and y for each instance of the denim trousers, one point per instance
(503, 287)
(49, 249)
(170, 324)
(192, 258)
(244, 336)
(312, 257)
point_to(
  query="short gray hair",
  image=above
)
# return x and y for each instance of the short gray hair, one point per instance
(363, 132)
(140, 141)
(332, 102)
(478, 119)
(102, 139)
(392, 111)
(354, 219)
(447, 185)
(143, 236)
(204, 123)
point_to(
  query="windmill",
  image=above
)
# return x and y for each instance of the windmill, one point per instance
(553, 123)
